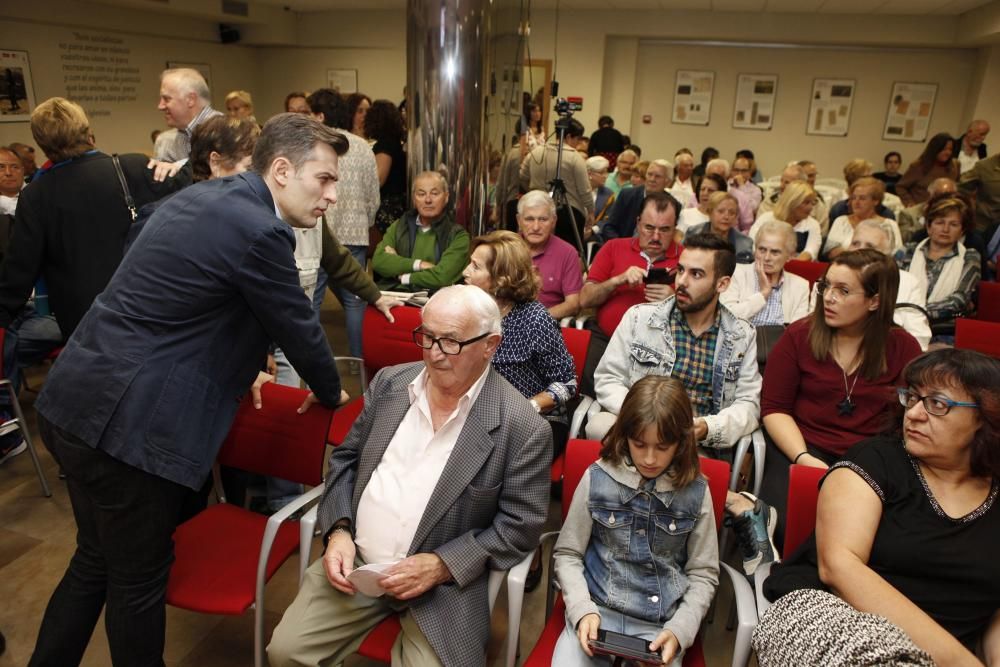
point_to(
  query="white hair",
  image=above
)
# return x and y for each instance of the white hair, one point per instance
(717, 162)
(537, 199)
(598, 163)
(884, 228)
(187, 81)
(666, 165)
(478, 303)
(781, 229)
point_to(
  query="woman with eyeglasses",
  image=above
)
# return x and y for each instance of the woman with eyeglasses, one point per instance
(831, 377)
(532, 355)
(908, 524)
(944, 267)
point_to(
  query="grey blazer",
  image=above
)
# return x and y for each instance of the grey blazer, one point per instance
(486, 512)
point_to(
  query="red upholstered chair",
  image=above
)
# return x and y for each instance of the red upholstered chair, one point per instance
(978, 335)
(800, 522)
(17, 423)
(579, 455)
(225, 554)
(577, 341)
(384, 344)
(811, 271)
(989, 301)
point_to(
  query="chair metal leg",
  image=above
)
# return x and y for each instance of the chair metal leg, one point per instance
(23, 425)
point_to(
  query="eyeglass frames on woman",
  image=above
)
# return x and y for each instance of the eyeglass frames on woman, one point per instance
(446, 345)
(838, 294)
(938, 406)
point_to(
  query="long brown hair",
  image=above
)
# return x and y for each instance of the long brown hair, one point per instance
(661, 401)
(879, 276)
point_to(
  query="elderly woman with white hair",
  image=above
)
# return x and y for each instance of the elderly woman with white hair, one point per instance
(763, 292)
(557, 262)
(604, 197)
(794, 206)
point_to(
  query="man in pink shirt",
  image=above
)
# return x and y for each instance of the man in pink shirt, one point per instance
(557, 261)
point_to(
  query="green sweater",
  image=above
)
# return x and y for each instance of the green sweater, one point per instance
(447, 270)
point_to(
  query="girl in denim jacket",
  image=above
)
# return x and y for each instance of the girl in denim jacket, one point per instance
(638, 553)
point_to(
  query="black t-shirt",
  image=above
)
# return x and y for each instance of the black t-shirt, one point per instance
(890, 181)
(395, 184)
(606, 140)
(950, 568)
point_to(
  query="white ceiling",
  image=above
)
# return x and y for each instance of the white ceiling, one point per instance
(914, 7)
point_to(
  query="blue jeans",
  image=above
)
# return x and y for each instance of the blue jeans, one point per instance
(125, 520)
(569, 653)
(30, 338)
(354, 306)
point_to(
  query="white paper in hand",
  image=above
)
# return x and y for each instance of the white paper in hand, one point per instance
(366, 579)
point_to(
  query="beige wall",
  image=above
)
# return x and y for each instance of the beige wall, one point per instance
(120, 125)
(796, 69)
(598, 58)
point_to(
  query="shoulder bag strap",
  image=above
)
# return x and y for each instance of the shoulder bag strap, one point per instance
(121, 179)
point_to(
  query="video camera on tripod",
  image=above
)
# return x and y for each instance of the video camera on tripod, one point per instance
(564, 107)
(567, 106)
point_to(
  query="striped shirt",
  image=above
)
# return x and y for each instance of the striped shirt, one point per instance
(178, 146)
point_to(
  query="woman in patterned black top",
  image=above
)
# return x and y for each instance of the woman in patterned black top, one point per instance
(909, 528)
(532, 355)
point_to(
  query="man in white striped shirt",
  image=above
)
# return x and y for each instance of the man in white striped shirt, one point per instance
(185, 102)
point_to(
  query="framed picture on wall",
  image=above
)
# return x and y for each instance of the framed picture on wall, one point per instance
(911, 106)
(344, 80)
(203, 68)
(830, 107)
(17, 95)
(693, 97)
(754, 106)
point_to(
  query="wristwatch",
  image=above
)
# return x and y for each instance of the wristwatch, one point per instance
(536, 406)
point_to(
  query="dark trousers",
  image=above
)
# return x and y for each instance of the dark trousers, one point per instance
(774, 486)
(125, 521)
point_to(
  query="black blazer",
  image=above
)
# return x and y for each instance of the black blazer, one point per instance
(624, 213)
(70, 226)
(154, 373)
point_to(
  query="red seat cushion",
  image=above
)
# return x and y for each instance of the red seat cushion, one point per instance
(378, 644)
(343, 420)
(216, 559)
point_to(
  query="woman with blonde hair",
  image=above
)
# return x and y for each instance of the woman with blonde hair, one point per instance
(239, 106)
(723, 215)
(795, 206)
(864, 195)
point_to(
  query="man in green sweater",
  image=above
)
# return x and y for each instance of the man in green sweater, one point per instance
(424, 249)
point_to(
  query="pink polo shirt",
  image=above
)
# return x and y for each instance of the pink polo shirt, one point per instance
(559, 266)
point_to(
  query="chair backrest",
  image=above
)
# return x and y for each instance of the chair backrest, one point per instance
(276, 440)
(989, 301)
(577, 342)
(389, 343)
(978, 335)
(811, 271)
(581, 453)
(800, 517)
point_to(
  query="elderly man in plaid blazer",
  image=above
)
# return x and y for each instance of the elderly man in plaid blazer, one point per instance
(445, 475)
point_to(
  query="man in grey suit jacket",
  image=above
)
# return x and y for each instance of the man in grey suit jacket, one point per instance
(444, 474)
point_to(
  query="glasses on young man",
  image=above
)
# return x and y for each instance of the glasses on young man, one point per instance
(446, 345)
(938, 406)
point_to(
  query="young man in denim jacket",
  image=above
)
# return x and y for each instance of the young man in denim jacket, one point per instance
(694, 338)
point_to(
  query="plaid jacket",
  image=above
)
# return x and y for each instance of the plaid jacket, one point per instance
(486, 512)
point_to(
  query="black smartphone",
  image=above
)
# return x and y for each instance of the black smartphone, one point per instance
(660, 276)
(624, 646)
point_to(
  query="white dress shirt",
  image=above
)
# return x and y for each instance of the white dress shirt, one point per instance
(395, 498)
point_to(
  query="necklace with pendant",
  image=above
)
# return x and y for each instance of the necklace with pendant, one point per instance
(846, 406)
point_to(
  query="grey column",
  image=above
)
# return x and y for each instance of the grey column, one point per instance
(447, 54)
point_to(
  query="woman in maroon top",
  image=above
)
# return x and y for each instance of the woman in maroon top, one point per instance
(831, 379)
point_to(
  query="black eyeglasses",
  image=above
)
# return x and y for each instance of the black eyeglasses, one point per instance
(938, 406)
(446, 345)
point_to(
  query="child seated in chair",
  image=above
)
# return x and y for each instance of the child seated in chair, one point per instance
(638, 553)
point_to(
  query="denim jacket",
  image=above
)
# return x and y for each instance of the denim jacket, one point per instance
(643, 345)
(639, 547)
